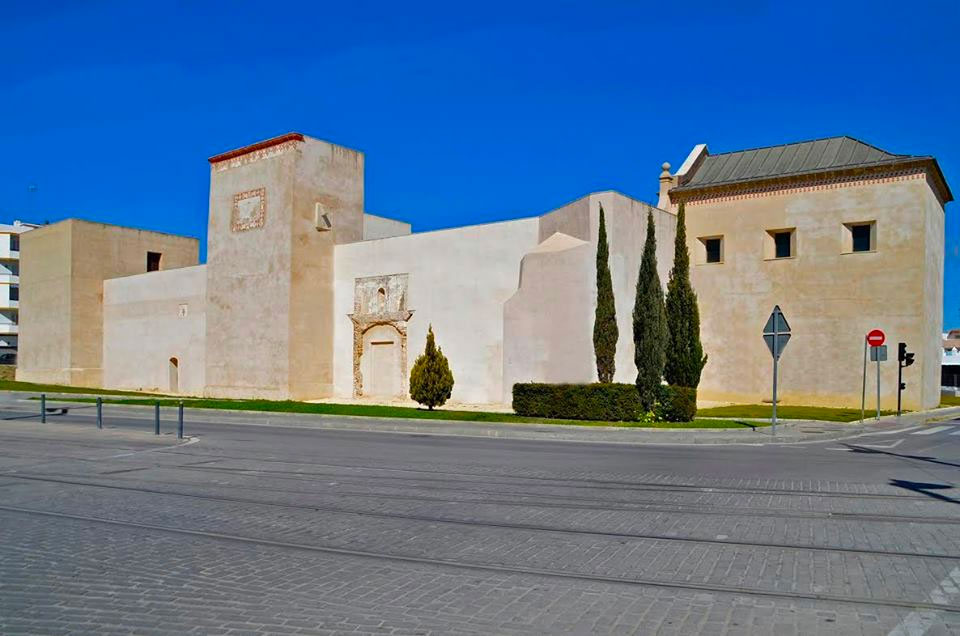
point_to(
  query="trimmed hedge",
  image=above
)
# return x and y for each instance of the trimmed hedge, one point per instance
(602, 402)
(677, 404)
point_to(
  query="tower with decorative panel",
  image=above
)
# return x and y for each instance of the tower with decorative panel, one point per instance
(277, 208)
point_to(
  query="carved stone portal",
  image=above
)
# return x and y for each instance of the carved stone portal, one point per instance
(380, 300)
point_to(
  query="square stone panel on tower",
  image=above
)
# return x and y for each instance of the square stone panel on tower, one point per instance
(249, 210)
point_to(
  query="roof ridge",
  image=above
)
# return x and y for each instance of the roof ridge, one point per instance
(807, 141)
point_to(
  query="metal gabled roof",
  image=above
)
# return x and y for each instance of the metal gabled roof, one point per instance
(803, 157)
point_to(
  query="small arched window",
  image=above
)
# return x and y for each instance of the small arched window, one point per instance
(381, 300)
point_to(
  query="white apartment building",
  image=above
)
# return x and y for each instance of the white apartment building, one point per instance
(10, 287)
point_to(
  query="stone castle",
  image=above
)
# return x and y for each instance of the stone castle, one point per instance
(305, 295)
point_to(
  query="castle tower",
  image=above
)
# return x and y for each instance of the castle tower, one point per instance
(277, 208)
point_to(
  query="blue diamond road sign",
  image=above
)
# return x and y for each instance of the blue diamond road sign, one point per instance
(776, 333)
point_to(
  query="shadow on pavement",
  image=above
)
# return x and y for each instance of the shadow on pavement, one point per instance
(925, 489)
(873, 451)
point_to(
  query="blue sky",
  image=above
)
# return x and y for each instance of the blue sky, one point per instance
(467, 112)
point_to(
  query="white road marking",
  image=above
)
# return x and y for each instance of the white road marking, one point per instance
(892, 445)
(189, 440)
(931, 431)
(894, 432)
(956, 432)
(917, 623)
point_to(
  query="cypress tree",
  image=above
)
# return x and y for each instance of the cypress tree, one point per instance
(605, 333)
(431, 380)
(685, 357)
(649, 323)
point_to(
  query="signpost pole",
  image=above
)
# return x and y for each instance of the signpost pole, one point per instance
(878, 383)
(863, 395)
(776, 354)
(899, 382)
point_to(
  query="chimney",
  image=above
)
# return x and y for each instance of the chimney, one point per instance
(666, 182)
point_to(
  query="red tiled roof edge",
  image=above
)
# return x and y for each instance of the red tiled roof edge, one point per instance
(294, 136)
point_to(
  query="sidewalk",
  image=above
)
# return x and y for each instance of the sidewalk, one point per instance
(788, 431)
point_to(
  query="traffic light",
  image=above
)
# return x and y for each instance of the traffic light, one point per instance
(905, 357)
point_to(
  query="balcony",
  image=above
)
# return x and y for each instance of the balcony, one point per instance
(7, 329)
(7, 278)
(8, 254)
(6, 303)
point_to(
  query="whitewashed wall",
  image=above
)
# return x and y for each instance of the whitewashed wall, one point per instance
(150, 318)
(459, 280)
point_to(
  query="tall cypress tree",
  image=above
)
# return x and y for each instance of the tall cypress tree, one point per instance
(685, 357)
(649, 322)
(605, 333)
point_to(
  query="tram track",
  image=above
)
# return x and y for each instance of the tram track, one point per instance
(489, 524)
(502, 569)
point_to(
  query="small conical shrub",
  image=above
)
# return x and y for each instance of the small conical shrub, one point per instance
(431, 380)
(605, 332)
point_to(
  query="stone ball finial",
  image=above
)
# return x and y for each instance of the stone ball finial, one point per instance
(666, 166)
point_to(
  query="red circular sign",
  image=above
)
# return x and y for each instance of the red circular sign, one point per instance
(876, 338)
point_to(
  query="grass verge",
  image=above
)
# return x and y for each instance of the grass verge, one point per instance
(788, 412)
(371, 410)
(13, 385)
(949, 400)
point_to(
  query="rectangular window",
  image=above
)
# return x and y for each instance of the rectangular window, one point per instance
(782, 242)
(14, 292)
(860, 237)
(14, 242)
(714, 249)
(153, 261)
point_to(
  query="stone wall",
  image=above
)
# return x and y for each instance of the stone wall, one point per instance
(548, 323)
(831, 297)
(61, 307)
(458, 280)
(150, 320)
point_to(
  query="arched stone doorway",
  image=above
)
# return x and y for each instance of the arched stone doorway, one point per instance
(174, 371)
(380, 362)
(380, 317)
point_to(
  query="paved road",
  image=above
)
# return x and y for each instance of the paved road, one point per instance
(252, 530)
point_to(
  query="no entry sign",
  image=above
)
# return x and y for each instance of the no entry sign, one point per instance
(876, 338)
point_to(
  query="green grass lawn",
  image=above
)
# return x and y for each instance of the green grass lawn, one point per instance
(949, 400)
(714, 417)
(371, 410)
(13, 385)
(788, 412)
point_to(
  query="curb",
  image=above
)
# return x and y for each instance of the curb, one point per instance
(638, 436)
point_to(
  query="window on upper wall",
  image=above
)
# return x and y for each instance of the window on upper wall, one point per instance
(14, 292)
(14, 242)
(781, 243)
(153, 261)
(712, 249)
(860, 237)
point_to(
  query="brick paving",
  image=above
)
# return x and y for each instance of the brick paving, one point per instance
(256, 532)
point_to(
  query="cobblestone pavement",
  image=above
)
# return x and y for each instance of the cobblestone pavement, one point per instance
(255, 530)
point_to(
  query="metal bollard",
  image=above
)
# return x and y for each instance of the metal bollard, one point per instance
(156, 418)
(180, 420)
(99, 412)
(43, 408)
